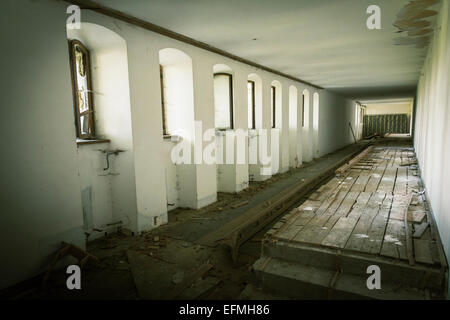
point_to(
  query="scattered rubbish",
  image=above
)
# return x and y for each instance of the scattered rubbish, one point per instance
(151, 255)
(186, 244)
(240, 204)
(109, 245)
(189, 280)
(69, 249)
(125, 232)
(200, 288)
(178, 277)
(361, 236)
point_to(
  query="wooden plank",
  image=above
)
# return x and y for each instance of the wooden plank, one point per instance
(419, 229)
(361, 182)
(356, 241)
(331, 192)
(394, 245)
(413, 181)
(347, 204)
(388, 180)
(409, 244)
(423, 251)
(401, 181)
(377, 228)
(296, 226)
(375, 178)
(315, 230)
(353, 161)
(341, 231)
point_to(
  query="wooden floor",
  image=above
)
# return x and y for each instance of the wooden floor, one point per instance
(363, 210)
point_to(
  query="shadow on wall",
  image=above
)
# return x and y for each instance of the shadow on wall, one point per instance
(111, 103)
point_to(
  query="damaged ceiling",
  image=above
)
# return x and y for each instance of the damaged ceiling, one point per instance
(411, 22)
(324, 42)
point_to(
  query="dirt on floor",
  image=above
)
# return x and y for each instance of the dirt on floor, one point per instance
(153, 265)
(166, 263)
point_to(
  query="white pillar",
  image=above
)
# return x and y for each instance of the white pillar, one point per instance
(205, 174)
(146, 114)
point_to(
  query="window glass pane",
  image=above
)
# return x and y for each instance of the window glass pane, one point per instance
(222, 101)
(303, 110)
(250, 104)
(84, 124)
(82, 81)
(272, 105)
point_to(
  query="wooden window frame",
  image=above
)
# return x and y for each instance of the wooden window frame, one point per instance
(230, 77)
(303, 110)
(274, 108)
(73, 73)
(163, 105)
(253, 84)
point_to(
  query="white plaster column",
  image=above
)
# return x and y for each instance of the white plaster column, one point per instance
(146, 114)
(206, 174)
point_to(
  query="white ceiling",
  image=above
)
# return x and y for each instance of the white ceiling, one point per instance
(325, 42)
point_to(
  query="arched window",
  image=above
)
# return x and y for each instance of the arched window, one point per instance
(273, 104)
(177, 93)
(251, 88)
(254, 85)
(223, 100)
(82, 90)
(276, 104)
(223, 97)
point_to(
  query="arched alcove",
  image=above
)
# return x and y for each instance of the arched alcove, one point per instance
(223, 97)
(316, 113)
(276, 104)
(293, 126)
(224, 121)
(177, 93)
(306, 134)
(110, 92)
(276, 111)
(255, 111)
(255, 90)
(177, 106)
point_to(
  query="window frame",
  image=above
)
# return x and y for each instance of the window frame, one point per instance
(303, 110)
(253, 84)
(163, 102)
(231, 97)
(273, 90)
(73, 72)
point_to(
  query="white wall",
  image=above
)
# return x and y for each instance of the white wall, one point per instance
(335, 112)
(389, 108)
(432, 125)
(113, 191)
(42, 180)
(40, 187)
(295, 122)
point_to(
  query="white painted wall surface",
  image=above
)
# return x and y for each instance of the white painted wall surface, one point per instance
(335, 112)
(111, 100)
(432, 125)
(40, 187)
(389, 108)
(41, 182)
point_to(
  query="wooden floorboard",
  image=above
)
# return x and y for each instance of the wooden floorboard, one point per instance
(362, 209)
